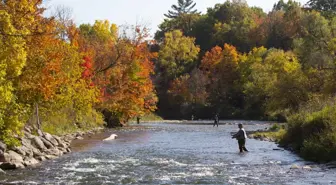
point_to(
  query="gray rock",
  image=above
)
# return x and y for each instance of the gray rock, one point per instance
(1, 171)
(13, 157)
(41, 158)
(68, 150)
(37, 153)
(40, 133)
(51, 139)
(58, 139)
(50, 157)
(54, 152)
(30, 162)
(294, 167)
(3, 146)
(69, 137)
(11, 166)
(307, 168)
(63, 145)
(19, 150)
(79, 138)
(36, 141)
(46, 143)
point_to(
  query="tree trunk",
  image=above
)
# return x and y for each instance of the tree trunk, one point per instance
(38, 117)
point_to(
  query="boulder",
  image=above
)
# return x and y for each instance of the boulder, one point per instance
(37, 153)
(36, 141)
(3, 146)
(112, 137)
(11, 166)
(13, 157)
(54, 152)
(307, 168)
(63, 145)
(58, 139)
(79, 138)
(69, 137)
(40, 133)
(19, 150)
(293, 167)
(41, 158)
(46, 143)
(68, 150)
(30, 162)
(51, 139)
(1, 171)
(50, 157)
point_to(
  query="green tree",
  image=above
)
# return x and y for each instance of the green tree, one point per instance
(327, 7)
(177, 56)
(183, 7)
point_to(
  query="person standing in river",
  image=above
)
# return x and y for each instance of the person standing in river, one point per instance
(241, 137)
(216, 120)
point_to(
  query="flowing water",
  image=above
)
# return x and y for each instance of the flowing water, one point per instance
(174, 154)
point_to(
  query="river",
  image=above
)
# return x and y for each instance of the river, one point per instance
(161, 153)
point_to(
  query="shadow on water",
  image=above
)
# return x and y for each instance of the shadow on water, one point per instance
(180, 153)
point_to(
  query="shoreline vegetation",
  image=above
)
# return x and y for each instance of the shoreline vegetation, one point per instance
(232, 61)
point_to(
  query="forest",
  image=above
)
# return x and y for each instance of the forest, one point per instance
(234, 60)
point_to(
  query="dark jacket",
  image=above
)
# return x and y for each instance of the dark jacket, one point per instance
(241, 134)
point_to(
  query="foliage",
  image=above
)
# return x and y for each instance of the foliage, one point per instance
(183, 7)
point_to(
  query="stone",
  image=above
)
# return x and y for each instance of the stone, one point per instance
(294, 167)
(37, 153)
(30, 162)
(307, 168)
(41, 158)
(46, 143)
(3, 146)
(40, 133)
(1, 171)
(11, 166)
(79, 138)
(68, 150)
(54, 151)
(63, 145)
(58, 139)
(51, 139)
(13, 157)
(112, 137)
(50, 157)
(38, 143)
(19, 151)
(68, 137)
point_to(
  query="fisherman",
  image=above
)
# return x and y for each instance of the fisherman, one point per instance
(241, 137)
(216, 121)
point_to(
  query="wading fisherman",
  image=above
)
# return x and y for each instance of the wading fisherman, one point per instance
(216, 121)
(241, 137)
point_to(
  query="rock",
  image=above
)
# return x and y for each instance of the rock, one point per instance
(46, 143)
(38, 143)
(50, 157)
(68, 150)
(37, 153)
(41, 158)
(51, 139)
(3, 146)
(30, 162)
(1, 171)
(19, 150)
(11, 166)
(331, 165)
(28, 129)
(13, 157)
(54, 151)
(79, 138)
(40, 133)
(69, 137)
(63, 145)
(112, 137)
(58, 139)
(307, 168)
(294, 167)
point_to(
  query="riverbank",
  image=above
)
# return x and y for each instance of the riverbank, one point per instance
(38, 147)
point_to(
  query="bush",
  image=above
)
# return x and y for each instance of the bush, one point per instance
(312, 133)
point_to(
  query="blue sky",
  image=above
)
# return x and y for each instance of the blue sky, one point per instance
(147, 12)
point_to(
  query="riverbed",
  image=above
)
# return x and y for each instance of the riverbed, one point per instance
(168, 153)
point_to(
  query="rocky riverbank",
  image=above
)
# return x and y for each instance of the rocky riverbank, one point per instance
(36, 148)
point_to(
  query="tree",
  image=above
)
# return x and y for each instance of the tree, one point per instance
(327, 7)
(177, 55)
(183, 7)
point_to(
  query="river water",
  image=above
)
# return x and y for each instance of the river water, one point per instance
(164, 153)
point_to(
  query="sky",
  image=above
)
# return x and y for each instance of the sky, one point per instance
(131, 12)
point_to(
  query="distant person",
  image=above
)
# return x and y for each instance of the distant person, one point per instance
(138, 120)
(216, 121)
(241, 137)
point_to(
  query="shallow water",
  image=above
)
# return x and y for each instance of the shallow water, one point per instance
(174, 154)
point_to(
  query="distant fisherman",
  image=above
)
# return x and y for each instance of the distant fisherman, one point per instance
(241, 137)
(216, 121)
